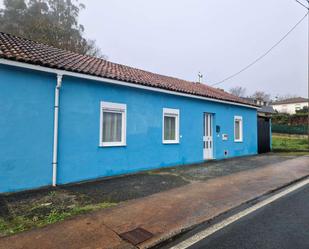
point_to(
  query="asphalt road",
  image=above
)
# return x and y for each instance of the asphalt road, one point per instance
(283, 224)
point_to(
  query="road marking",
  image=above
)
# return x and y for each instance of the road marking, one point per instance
(209, 231)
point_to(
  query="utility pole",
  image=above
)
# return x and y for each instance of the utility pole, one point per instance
(306, 6)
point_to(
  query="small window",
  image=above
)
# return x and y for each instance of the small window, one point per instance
(297, 107)
(238, 129)
(170, 132)
(113, 124)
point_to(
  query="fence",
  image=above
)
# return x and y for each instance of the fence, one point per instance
(290, 129)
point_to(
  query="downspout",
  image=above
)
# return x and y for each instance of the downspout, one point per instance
(56, 124)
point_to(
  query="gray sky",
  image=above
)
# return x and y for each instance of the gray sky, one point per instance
(180, 38)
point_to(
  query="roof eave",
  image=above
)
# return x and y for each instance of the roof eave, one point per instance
(14, 62)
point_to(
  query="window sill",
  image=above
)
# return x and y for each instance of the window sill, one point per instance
(238, 141)
(170, 142)
(112, 145)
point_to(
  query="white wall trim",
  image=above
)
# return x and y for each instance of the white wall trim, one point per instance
(113, 107)
(117, 82)
(168, 112)
(171, 111)
(241, 127)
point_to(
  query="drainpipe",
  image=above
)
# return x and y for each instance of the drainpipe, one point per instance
(56, 122)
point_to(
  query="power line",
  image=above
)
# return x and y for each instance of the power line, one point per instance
(263, 55)
(303, 4)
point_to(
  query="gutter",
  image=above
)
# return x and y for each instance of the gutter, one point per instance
(56, 125)
(115, 82)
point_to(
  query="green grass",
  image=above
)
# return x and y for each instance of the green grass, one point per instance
(14, 225)
(22, 223)
(285, 143)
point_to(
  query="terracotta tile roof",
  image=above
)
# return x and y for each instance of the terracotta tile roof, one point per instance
(23, 50)
(290, 101)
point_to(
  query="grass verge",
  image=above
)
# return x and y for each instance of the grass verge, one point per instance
(293, 143)
(20, 223)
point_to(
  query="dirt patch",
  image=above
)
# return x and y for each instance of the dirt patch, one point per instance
(4, 210)
(127, 187)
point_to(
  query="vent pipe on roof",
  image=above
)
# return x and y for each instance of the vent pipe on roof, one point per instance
(56, 123)
(200, 77)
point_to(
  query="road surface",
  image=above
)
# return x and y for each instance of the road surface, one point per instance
(283, 224)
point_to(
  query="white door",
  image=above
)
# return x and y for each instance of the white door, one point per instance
(208, 137)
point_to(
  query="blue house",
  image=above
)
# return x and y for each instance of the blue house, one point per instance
(68, 118)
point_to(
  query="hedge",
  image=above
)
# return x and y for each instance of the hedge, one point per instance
(290, 129)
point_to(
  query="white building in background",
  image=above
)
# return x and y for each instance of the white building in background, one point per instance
(290, 106)
(265, 110)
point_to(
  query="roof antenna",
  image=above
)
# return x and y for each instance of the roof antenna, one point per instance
(200, 77)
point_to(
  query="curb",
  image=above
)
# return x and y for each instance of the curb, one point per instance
(177, 233)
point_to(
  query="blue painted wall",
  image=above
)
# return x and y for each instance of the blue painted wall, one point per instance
(26, 129)
(80, 157)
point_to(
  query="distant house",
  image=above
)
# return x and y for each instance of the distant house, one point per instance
(67, 117)
(265, 109)
(291, 105)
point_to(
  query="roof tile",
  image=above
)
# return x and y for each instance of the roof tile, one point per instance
(290, 101)
(23, 50)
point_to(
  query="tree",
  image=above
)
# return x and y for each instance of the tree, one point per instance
(238, 91)
(260, 95)
(303, 110)
(53, 22)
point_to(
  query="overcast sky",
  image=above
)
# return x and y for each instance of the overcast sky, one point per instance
(180, 38)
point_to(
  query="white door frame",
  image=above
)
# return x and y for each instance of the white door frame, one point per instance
(208, 144)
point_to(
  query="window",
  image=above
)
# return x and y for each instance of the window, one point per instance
(238, 129)
(113, 124)
(170, 132)
(297, 107)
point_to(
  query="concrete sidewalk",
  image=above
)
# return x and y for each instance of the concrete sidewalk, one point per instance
(163, 214)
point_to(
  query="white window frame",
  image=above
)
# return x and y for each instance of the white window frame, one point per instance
(241, 127)
(115, 108)
(167, 112)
